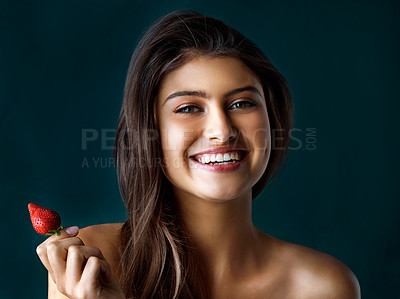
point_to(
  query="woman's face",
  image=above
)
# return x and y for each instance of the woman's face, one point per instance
(214, 128)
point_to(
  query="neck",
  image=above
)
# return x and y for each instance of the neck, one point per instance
(226, 241)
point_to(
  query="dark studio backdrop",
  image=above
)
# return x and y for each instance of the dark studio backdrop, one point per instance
(62, 72)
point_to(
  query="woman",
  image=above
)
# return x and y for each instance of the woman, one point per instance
(193, 148)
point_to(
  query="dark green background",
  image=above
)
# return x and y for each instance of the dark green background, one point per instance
(63, 66)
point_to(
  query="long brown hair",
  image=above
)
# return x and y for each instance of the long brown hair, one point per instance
(157, 259)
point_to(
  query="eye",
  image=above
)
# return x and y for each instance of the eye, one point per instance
(242, 104)
(188, 109)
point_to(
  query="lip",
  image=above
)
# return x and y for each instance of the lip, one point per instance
(221, 149)
(221, 168)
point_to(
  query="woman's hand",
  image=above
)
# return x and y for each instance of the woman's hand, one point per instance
(79, 271)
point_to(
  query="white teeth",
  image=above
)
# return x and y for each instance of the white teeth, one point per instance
(222, 158)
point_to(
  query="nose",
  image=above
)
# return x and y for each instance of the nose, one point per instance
(219, 127)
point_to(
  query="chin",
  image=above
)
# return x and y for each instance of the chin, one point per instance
(222, 194)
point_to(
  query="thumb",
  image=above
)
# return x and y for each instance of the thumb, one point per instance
(71, 231)
(65, 233)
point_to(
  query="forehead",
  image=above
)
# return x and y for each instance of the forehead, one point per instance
(212, 74)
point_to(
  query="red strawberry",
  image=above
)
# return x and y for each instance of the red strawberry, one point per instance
(44, 221)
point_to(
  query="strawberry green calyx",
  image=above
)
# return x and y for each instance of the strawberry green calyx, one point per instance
(55, 231)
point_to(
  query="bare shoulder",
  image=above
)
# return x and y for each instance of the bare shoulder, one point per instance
(313, 274)
(100, 233)
(104, 237)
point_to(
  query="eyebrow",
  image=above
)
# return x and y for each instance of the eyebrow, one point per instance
(203, 94)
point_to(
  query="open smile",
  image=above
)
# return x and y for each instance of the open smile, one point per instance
(220, 158)
(220, 161)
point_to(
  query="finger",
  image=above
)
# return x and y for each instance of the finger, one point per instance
(68, 232)
(95, 269)
(55, 254)
(42, 249)
(65, 233)
(76, 259)
(91, 282)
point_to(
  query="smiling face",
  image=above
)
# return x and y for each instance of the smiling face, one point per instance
(214, 128)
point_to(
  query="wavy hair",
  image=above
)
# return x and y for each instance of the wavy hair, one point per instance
(157, 258)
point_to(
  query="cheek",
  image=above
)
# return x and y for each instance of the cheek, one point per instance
(257, 131)
(176, 137)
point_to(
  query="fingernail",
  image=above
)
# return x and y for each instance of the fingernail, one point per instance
(72, 230)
